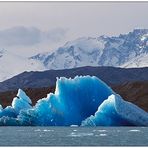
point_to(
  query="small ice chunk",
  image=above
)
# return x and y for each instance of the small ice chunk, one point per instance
(134, 130)
(103, 134)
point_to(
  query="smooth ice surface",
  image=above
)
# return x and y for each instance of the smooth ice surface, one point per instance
(84, 100)
(116, 112)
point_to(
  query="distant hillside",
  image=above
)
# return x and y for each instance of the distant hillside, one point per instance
(110, 75)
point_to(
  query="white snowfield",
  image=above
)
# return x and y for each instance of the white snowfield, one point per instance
(139, 61)
(12, 64)
(127, 50)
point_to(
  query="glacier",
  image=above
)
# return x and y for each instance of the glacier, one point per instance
(82, 101)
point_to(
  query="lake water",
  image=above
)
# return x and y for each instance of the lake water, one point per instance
(73, 136)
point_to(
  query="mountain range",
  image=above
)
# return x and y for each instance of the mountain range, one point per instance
(125, 51)
(119, 51)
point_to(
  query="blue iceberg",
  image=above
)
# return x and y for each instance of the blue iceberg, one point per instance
(82, 101)
(73, 101)
(114, 111)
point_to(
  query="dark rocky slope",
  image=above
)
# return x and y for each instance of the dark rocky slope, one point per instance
(110, 75)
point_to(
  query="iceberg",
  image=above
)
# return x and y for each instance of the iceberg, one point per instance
(9, 121)
(73, 101)
(8, 115)
(114, 111)
(8, 112)
(21, 101)
(82, 101)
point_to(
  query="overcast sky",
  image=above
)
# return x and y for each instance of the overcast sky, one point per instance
(70, 20)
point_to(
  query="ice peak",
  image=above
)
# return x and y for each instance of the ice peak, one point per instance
(22, 95)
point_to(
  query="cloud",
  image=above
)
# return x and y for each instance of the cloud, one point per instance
(56, 35)
(29, 36)
(19, 36)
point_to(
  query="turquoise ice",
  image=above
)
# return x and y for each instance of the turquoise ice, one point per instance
(82, 101)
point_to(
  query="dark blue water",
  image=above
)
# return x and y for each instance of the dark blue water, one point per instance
(73, 136)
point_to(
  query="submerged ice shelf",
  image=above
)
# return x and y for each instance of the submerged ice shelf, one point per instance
(82, 101)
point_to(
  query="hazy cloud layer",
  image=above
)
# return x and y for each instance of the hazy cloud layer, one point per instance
(82, 18)
(55, 23)
(29, 36)
(56, 35)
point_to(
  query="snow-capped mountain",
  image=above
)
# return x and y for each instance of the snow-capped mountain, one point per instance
(12, 64)
(128, 50)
